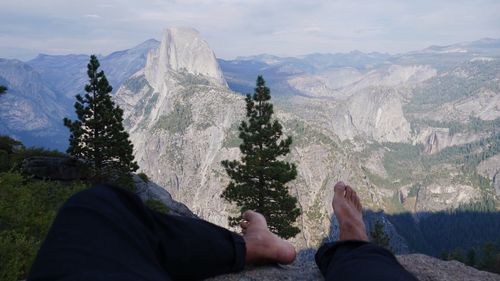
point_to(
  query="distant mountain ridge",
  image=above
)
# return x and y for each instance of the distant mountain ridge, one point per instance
(31, 110)
(49, 85)
(67, 73)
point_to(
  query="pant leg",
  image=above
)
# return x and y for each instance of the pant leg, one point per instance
(106, 233)
(193, 249)
(359, 260)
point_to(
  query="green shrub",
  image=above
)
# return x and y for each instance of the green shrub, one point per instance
(12, 153)
(125, 181)
(4, 161)
(157, 205)
(9, 144)
(27, 209)
(176, 121)
(17, 254)
(144, 177)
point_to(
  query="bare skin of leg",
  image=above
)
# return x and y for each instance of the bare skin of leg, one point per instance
(348, 210)
(262, 245)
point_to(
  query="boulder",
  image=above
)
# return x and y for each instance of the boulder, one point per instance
(427, 268)
(54, 168)
(148, 190)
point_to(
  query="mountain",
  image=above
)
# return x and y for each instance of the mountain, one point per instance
(67, 74)
(485, 45)
(41, 91)
(31, 111)
(179, 113)
(182, 51)
(119, 66)
(404, 113)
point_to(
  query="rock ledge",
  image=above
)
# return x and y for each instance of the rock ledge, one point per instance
(425, 268)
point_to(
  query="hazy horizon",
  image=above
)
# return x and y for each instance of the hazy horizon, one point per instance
(244, 28)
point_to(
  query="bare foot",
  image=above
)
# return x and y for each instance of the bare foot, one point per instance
(262, 245)
(348, 210)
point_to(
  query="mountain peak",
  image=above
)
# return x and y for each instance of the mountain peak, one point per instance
(182, 31)
(182, 50)
(148, 44)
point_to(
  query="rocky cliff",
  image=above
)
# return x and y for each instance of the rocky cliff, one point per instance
(31, 110)
(179, 112)
(182, 50)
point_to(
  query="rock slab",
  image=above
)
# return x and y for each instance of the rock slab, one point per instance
(425, 268)
(54, 168)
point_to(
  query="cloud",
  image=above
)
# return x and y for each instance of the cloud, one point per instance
(92, 16)
(246, 27)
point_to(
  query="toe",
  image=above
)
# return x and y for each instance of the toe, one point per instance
(357, 203)
(244, 224)
(339, 189)
(254, 217)
(359, 207)
(348, 192)
(248, 215)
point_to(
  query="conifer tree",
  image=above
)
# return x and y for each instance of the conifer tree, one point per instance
(97, 136)
(379, 236)
(471, 257)
(258, 181)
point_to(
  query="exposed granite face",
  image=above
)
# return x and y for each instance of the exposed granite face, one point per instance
(30, 110)
(182, 50)
(490, 168)
(150, 190)
(437, 139)
(437, 197)
(425, 268)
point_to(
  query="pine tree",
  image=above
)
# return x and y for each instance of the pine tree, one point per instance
(3, 89)
(258, 181)
(489, 255)
(97, 136)
(470, 257)
(379, 236)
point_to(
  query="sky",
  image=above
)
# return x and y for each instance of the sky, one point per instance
(244, 27)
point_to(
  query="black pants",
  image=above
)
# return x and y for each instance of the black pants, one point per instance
(105, 233)
(359, 260)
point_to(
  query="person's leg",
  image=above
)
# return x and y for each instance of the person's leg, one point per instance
(353, 258)
(106, 232)
(212, 250)
(102, 231)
